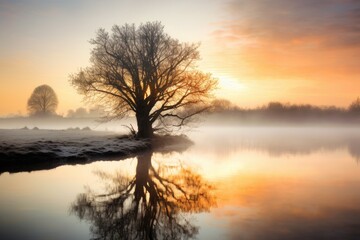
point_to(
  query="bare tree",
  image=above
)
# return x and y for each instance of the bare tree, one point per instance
(145, 71)
(43, 101)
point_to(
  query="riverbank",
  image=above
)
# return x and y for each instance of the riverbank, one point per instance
(30, 150)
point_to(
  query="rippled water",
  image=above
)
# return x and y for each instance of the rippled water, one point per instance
(233, 183)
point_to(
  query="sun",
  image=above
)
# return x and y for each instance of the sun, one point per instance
(230, 88)
(229, 83)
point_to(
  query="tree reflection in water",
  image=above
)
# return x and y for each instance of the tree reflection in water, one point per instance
(155, 204)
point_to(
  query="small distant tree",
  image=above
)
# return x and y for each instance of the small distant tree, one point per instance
(145, 71)
(355, 106)
(43, 101)
(219, 105)
(78, 113)
(275, 107)
(97, 112)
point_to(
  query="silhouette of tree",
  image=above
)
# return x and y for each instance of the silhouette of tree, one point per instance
(275, 107)
(152, 205)
(355, 106)
(219, 105)
(43, 101)
(78, 113)
(145, 71)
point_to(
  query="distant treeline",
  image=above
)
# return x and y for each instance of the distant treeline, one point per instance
(277, 112)
(94, 112)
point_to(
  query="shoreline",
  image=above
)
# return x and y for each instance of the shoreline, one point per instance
(32, 150)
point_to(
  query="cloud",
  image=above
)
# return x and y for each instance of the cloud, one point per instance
(283, 20)
(316, 40)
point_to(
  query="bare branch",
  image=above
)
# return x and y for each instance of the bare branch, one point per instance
(145, 71)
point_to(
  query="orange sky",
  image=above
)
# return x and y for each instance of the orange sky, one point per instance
(289, 51)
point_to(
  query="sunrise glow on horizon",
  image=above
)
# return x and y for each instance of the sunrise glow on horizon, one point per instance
(288, 51)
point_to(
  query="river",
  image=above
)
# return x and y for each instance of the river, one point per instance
(233, 183)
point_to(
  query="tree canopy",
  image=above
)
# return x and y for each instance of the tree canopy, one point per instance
(145, 71)
(43, 101)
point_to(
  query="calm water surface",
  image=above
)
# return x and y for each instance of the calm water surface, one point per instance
(233, 183)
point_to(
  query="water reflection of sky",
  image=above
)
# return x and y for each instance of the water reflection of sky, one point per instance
(270, 184)
(284, 185)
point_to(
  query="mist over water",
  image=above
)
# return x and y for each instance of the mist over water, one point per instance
(268, 183)
(279, 141)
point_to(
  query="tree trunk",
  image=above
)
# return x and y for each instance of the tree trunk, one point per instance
(142, 176)
(145, 129)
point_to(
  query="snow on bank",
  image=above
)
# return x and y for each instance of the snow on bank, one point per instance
(55, 147)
